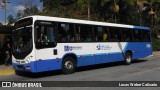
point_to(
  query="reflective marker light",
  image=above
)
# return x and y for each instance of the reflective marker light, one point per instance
(28, 68)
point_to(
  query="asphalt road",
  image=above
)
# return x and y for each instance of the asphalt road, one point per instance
(146, 69)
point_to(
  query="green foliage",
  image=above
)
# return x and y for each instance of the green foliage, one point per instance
(156, 39)
(82, 3)
(60, 8)
(156, 44)
(11, 19)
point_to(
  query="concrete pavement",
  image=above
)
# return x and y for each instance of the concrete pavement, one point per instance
(8, 70)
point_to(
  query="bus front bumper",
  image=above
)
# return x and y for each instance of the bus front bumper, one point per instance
(24, 67)
(38, 66)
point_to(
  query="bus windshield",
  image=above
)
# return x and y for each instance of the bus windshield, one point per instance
(22, 42)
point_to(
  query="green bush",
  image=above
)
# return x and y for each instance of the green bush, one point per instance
(156, 44)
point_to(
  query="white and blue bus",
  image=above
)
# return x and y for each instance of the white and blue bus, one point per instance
(42, 43)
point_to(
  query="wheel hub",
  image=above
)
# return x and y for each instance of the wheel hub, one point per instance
(128, 58)
(69, 65)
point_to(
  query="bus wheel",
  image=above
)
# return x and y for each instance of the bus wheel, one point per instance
(68, 65)
(128, 58)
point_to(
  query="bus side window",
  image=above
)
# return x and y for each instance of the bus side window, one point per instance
(65, 32)
(82, 33)
(85, 33)
(146, 35)
(105, 34)
(137, 35)
(43, 36)
(127, 35)
(78, 33)
(115, 34)
(62, 32)
(51, 34)
(98, 31)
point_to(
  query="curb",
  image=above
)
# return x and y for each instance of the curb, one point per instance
(157, 55)
(7, 72)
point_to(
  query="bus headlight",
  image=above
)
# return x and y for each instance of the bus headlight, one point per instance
(28, 59)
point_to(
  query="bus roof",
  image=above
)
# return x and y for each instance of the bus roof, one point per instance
(78, 21)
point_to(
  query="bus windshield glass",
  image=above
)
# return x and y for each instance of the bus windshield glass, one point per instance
(22, 42)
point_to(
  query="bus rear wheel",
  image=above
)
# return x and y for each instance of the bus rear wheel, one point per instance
(128, 58)
(68, 65)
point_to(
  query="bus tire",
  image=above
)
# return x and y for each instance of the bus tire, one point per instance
(128, 58)
(68, 65)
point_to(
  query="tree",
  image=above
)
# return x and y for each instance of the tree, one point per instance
(67, 8)
(115, 9)
(11, 19)
(118, 11)
(85, 4)
(19, 14)
(110, 9)
(153, 6)
(30, 8)
(30, 11)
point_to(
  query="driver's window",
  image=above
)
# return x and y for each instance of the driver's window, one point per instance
(45, 36)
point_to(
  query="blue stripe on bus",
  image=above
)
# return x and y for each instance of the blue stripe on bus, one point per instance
(140, 27)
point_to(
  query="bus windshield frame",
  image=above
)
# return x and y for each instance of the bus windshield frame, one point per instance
(22, 38)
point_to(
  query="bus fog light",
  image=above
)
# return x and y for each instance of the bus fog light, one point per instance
(28, 68)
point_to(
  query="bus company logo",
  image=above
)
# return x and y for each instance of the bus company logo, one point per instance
(103, 47)
(71, 48)
(6, 84)
(66, 48)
